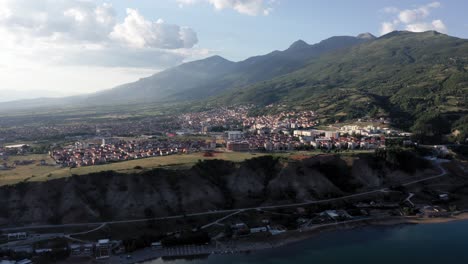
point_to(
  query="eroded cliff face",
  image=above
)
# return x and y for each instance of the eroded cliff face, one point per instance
(209, 185)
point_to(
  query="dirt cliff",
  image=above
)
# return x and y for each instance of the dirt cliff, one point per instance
(209, 185)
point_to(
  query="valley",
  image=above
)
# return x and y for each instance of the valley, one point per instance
(216, 156)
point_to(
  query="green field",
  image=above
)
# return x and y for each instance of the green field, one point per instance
(27, 172)
(34, 172)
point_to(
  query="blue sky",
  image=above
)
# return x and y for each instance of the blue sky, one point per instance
(80, 46)
(237, 36)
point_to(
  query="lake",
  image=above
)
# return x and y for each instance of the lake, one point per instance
(425, 243)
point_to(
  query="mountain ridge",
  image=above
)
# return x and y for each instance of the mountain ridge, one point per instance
(202, 78)
(410, 77)
(413, 78)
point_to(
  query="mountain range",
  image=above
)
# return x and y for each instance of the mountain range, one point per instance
(402, 75)
(206, 77)
(214, 75)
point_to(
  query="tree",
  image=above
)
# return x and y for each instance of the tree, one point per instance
(430, 127)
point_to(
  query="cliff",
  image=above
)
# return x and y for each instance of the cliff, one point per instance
(209, 185)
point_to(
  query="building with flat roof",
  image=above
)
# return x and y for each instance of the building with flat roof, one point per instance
(234, 135)
(238, 146)
(103, 249)
(17, 146)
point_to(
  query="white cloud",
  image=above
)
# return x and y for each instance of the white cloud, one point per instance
(413, 19)
(247, 7)
(437, 25)
(59, 35)
(72, 20)
(59, 28)
(387, 27)
(138, 32)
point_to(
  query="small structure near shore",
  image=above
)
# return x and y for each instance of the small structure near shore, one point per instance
(433, 211)
(103, 249)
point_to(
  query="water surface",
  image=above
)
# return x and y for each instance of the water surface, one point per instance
(428, 243)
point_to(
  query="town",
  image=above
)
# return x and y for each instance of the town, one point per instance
(227, 129)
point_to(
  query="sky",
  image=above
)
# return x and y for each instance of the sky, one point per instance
(66, 47)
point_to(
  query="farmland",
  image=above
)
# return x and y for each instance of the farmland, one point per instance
(35, 172)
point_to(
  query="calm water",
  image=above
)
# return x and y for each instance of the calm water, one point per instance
(436, 243)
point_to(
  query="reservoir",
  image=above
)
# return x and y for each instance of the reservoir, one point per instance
(423, 243)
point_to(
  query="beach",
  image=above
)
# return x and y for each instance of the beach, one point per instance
(251, 244)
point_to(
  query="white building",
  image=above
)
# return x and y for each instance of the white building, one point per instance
(306, 133)
(332, 134)
(103, 248)
(258, 230)
(234, 135)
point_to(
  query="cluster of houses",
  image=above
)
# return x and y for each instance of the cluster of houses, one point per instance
(223, 117)
(107, 128)
(300, 139)
(370, 130)
(238, 117)
(288, 130)
(282, 122)
(32, 132)
(89, 153)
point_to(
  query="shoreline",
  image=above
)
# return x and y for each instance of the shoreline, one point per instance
(295, 236)
(249, 244)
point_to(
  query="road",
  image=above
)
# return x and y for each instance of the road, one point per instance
(229, 211)
(89, 231)
(221, 219)
(442, 173)
(408, 199)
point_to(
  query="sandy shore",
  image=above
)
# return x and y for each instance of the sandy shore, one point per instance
(435, 220)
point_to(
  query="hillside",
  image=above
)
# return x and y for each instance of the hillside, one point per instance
(403, 75)
(208, 185)
(202, 78)
(162, 85)
(211, 76)
(276, 63)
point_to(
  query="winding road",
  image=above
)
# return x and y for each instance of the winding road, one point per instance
(231, 212)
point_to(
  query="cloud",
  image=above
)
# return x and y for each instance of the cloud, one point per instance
(138, 32)
(59, 19)
(387, 27)
(437, 25)
(246, 7)
(81, 32)
(412, 19)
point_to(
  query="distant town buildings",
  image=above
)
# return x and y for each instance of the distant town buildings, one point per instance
(238, 146)
(86, 153)
(234, 135)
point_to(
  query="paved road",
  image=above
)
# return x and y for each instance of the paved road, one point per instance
(230, 211)
(442, 173)
(221, 219)
(89, 231)
(408, 199)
